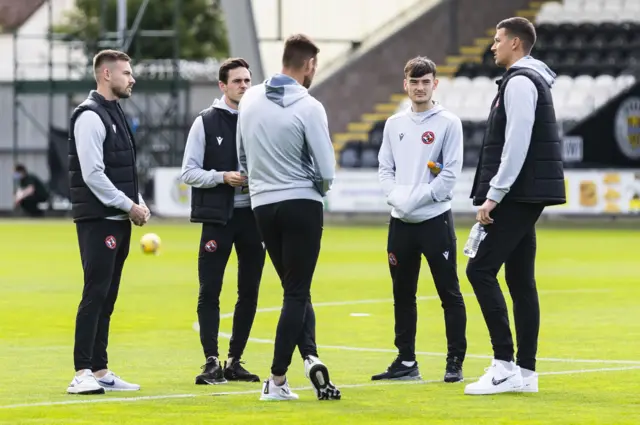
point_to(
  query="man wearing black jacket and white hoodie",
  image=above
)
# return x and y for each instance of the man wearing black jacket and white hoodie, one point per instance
(421, 220)
(285, 148)
(520, 172)
(220, 201)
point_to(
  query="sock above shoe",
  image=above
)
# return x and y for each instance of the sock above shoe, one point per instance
(507, 365)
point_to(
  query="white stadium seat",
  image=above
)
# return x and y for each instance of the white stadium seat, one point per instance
(594, 11)
(573, 98)
(632, 6)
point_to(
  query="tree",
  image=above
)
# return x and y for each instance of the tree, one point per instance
(202, 32)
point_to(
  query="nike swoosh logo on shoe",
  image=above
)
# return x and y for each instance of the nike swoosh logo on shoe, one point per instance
(108, 383)
(500, 381)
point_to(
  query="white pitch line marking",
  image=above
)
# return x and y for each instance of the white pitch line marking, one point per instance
(249, 392)
(422, 298)
(196, 327)
(432, 354)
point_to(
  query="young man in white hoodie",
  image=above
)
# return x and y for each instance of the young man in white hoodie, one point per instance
(421, 220)
(519, 173)
(220, 201)
(285, 148)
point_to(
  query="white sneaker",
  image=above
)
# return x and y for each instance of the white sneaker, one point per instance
(318, 374)
(85, 384)
(112, 382)
(497, 379)
(273, 392)
(530, 383)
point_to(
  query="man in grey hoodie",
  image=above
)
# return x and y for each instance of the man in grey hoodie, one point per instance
(520, 172)
(421, 219)
(284, 146)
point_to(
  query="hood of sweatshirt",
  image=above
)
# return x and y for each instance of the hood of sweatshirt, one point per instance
(221, 104)
(420, 117)
(538, 66)
(284, 90)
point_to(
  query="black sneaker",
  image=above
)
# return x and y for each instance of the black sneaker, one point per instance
(235, 372)
(211, 373)
(398, 371)
(453, 372)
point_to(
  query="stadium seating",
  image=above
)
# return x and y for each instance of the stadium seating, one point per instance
(574, 98)
(593, 46)
(576, 49)
(592, 11)
(470, 98)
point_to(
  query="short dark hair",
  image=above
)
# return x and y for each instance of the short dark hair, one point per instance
(105, 56)
(19, 168)
(297, 49)
(521, 28)
(228, 65)
(419, 67)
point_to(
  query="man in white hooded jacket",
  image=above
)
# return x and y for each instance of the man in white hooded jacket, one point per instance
(421, 220)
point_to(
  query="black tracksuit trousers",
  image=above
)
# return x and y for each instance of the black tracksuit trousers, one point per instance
(436, 240)
(104, 247)
(292, 232)
(510, 240)
(216, 242)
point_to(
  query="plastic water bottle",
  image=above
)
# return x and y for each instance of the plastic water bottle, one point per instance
(477, 235)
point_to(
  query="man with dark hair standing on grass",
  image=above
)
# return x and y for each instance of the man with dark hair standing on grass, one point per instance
(520, 172)
(421, 219)
(104, 200)
(285, 147)
(220, 201)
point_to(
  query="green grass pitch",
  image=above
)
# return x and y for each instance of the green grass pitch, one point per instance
(589, 282)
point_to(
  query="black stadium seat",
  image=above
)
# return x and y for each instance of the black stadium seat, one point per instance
(369, 157)
(575, 49)
(375, 134)
(350, 155)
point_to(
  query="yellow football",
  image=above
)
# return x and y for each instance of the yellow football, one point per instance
(150, 243)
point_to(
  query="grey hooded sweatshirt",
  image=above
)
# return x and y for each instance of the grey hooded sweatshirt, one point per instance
(283, 143)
